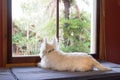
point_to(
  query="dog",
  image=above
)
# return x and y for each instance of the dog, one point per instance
(53, 58)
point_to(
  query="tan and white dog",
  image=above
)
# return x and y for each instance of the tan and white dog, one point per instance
(53, 58)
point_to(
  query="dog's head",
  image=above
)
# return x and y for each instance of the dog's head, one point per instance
(48, 47)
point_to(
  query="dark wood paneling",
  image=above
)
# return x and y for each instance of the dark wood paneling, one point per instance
(112, 8)
(0, 33)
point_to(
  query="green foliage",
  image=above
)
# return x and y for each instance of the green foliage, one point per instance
(77, 33)
(32, 26)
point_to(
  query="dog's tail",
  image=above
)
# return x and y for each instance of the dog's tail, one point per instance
(99, 66)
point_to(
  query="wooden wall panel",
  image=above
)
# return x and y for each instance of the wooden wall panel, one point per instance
(0, 33)
(112, 30)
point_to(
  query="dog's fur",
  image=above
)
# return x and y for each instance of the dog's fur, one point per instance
(53, 58)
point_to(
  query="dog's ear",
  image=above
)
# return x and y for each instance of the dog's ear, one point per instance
(45, 40)
(55, 41)
(41, 40)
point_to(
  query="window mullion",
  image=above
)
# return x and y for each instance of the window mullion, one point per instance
(57, 19)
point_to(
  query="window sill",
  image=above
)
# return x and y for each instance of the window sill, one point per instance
(20, 65)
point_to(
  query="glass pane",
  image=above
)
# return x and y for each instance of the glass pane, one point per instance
(77, 21)
(31, 21)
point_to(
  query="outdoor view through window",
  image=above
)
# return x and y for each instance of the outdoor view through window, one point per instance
(32, 20)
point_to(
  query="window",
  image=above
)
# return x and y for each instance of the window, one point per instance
(74, 22)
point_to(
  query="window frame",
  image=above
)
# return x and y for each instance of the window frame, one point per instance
(35, 59)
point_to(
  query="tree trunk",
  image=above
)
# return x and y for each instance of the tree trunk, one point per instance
(66, 16)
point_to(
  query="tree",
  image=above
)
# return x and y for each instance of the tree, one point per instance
(76, 34)
(32, 24)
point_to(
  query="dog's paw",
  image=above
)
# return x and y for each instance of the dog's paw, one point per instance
(39, 64)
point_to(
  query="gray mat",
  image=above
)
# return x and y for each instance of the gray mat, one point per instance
(35, 73)
(5, 74)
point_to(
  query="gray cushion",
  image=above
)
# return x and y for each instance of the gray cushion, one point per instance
(5, 74)
(36, 73)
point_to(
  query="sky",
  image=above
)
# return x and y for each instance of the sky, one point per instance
(17, 11)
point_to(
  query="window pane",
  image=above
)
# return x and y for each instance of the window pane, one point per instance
(31, 21)
(77, 21)
(34, 19)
